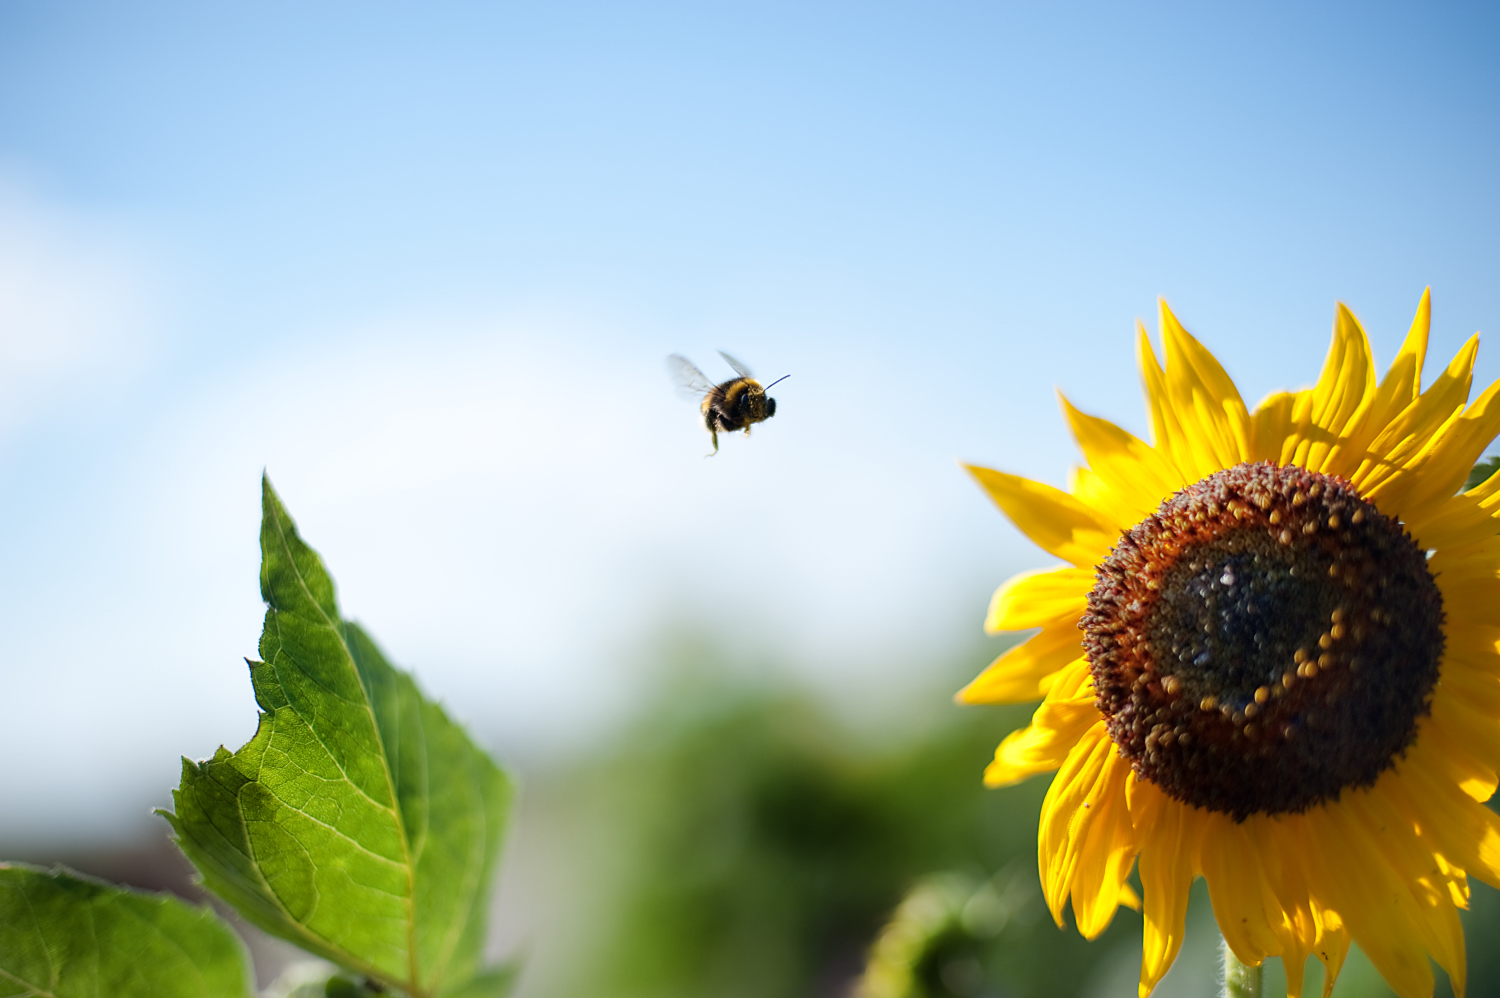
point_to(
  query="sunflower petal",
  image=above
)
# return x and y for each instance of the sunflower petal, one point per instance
(1038, 598)
(1427, 884)
(1106, 846)
(1403, 382)
(1303, 927)
(1294, 963)
(1064, 717)
(1025, 671)
(1068, 811)
(1370, 898)
(1093, 491)
(1455, 762)
(1208, 406)
(1463, 724)
(1459, 520)
(1469, 580)
(1247, 913)
(1055, 521)
(1480, 690)
(1167, 434)
(1333, 948)
(1168, 833)
(1271, 428)
(1460, 828)
(1413, 429)
(1440, 468)
(1471, 673)
(1137, 477)
(1338, 400)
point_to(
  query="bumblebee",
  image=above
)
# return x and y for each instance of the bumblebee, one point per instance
(731, 405)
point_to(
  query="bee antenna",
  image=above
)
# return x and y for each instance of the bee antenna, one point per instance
(776, 382)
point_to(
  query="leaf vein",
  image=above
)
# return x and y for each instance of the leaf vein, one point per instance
(411, 872)
(352, 962)
(52, 971)
(343, 836)
(39, 992)
(317, 737)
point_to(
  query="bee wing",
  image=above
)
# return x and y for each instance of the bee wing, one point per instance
(739, 368)
(688, 379)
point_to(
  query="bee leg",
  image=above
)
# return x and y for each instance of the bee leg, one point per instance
(713, 432)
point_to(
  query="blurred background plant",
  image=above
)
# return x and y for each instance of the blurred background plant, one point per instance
(744, 838)
(759, 843)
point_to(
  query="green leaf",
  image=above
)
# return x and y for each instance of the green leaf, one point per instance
(63, 934)
(1481, 473)
(360, 822)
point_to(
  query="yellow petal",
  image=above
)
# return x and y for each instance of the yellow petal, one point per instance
(1440, 468)
(1462, 723)
(1168, 833)
(1403, 382)
(1214, 419)
(1338, 400)
(1460, 828)
(1271, 428)
(1469, 582)
(1370, 897)
(1412, 429)
(1333, 947)
(1167, 434)
(1137, 477)
(1475, 560)
(1244, 906)
(1461, 519)
(1427, 901)
(1476, 646)
(1477, 684)
(1064, 717)
(1082, 779)
(1454, 761)
(1095, 493)
(1055, 521)
(1309, 922)
(1038, 598)
(1105, 842)
(1295, 965)
(1025, 671)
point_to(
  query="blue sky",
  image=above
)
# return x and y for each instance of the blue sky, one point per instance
(422, 263)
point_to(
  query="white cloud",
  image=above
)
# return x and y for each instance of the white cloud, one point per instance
(75, 306)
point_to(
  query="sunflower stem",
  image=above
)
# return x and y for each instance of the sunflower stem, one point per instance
(1240, 981)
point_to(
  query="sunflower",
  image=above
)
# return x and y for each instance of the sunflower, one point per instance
(1270, 661)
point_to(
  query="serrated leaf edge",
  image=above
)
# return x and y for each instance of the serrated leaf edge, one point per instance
(279, 517)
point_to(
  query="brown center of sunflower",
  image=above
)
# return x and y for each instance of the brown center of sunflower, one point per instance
(1263, 641)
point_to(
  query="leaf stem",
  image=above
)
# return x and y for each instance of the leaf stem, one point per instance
(1240, 981)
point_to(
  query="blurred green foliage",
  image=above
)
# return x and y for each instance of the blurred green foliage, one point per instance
(1482, 472)
(764, 841)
